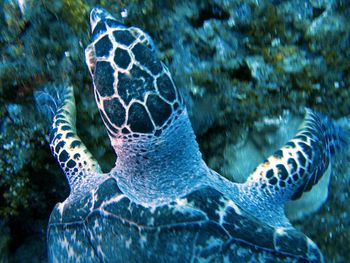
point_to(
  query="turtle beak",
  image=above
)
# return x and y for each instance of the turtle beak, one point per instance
(98, 14)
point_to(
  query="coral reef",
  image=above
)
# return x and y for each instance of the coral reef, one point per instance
(236, 62)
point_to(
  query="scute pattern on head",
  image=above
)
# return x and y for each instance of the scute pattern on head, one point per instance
(127, 72)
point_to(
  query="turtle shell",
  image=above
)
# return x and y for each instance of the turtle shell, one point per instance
(106, 226)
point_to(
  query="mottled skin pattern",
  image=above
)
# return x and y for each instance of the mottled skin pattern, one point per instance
(302, 161)
(294, 168)
(161, 203)
(70, 152)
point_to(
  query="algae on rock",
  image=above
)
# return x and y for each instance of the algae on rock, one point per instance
(236, 62)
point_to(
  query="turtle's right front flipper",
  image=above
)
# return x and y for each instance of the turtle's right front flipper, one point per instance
(295, 168)
(80, 167)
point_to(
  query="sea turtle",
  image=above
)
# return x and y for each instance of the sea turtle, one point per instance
(161, 203)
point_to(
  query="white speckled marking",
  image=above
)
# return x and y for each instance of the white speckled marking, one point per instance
(181, 202)
(221, 213)
(61, 208)
(230, 203)
(93, 199)
(142, 240)
(114, 199)
(280, 231)
(128, 243)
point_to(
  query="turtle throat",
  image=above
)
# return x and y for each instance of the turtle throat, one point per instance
(158, 169)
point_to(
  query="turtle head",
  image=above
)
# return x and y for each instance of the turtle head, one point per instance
(143, 112)
(134, 90)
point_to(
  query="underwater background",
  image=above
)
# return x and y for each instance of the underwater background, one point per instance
(247, 70)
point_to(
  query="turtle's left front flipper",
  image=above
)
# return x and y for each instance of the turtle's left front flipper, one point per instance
(296, 167)
(80, 167)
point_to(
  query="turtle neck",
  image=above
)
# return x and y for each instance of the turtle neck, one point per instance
(156, 169)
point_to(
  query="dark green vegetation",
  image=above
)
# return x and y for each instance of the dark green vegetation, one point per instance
(235, 61)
